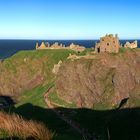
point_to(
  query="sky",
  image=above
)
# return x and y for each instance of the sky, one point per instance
(69, 19)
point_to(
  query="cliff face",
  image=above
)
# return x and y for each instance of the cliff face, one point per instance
(19, 75)
(28, 69)
(103, 81)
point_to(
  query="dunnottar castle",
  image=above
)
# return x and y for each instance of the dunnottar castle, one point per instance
(108, 43)
(111, 44)
(56, 45)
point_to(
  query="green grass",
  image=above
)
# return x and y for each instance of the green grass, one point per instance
(93, 120)
(30, 60)
(35, 96)
(31, 104)
(101, 106)
(86, 51)
(123, 50)
(54, 98)
(3, 135)
(50, 57)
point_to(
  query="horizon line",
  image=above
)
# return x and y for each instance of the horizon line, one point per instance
(62, 39)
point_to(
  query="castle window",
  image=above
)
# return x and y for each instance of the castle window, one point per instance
(107, 44)
(98, 50)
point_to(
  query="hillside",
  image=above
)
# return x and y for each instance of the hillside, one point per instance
(28, 69)
(25, 77)
(103, 82)
(93, 83)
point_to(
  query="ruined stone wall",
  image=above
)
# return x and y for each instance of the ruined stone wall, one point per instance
(76, 48)
(131, 45)
(56, 45)
(109, 43)
(42, 46)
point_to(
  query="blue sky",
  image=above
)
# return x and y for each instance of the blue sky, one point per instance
(69, 19)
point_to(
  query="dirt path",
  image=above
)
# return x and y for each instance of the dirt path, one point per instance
(84, 132)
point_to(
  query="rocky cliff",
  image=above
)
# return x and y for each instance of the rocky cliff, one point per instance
(20, 74)
(27, 70)
(104, 81)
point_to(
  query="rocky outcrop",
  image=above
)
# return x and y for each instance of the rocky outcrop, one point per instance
(19, 75)
(74, 57)
(56, 67)
(105, 80)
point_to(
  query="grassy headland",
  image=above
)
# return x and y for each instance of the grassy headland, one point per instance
(27, 76)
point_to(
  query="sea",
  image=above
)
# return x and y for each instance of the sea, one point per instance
(10, 47)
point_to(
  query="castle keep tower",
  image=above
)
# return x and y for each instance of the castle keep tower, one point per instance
(108, 43)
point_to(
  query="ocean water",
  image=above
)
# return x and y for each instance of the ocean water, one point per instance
(10, 47)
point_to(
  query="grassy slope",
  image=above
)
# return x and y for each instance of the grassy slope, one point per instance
(31, 104)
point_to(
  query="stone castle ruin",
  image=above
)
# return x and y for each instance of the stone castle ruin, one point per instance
(111, 44)
(108, 43)
(131, 45)
(46, 45)
(56, 45)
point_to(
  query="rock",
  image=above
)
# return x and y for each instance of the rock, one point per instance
(21, 76)
(25, 59)
(56, 67)
(77, 48)
(72, 57)
(1, 60)
(106, 80)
